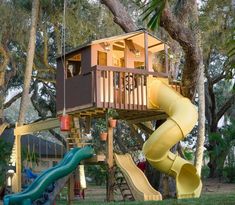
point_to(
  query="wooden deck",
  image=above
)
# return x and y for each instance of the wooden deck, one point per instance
(132, 116)
(122, 89)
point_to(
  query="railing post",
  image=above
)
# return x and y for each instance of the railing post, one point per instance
(93, 81)
(166, 58)
(97, 79)
(146, 55)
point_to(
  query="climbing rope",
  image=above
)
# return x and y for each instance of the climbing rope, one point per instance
(63, 54)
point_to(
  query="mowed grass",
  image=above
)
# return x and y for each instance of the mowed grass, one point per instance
(209, 199)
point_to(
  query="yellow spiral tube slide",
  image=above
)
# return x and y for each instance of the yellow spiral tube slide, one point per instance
(182, 118)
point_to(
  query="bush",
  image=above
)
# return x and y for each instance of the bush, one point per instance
(229, 174)
(4, 160)
(205, 172)
(97, 173)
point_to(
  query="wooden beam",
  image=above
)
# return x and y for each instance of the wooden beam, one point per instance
(75, 109)
(128, 70)
(87, 125)
(148, 118)
(37, 126)
(110, 162)
(133, 36)
(146, 55)
(158, 44)
(18, 162)
(70, 190)
(110, 147)
(166, 58)
(96, 159)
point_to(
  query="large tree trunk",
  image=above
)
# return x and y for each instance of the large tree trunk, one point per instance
(5, 59)
(29, 63)
(16, 150)
(186, 38)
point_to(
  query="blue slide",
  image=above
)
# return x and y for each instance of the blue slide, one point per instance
(48, 177)
(30, 174)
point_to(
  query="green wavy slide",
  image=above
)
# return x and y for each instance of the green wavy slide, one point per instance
(46, 178)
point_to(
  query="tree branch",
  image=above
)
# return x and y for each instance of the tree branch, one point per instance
(58, 137)
(225, 107)
(121, 16)
(217, 78)
(144, 128)
(183, 9)
(12, 100)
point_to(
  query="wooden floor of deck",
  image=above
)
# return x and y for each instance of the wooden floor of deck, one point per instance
(132, 116)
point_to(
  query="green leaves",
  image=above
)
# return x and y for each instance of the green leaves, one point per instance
(231, 52)
(154, 11)
(4, 159)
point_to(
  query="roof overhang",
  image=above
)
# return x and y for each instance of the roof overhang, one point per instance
(154, 43)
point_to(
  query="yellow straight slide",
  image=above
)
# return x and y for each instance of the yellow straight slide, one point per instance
(137, 181)
(182, 118)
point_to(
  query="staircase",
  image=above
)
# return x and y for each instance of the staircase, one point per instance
(122, 184)
(74, 139)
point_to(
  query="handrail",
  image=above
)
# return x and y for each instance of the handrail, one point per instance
(129, 70)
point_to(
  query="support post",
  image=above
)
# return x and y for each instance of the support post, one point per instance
(109, 157)
(166, 58)
(88, 125)
(146, 54)
(18, 162)
(70, 189)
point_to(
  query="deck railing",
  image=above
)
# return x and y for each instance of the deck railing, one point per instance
(121, 88)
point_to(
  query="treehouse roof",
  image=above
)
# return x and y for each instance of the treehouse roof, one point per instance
(154, 44)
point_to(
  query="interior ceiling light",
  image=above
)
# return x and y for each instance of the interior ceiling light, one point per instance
(106, 46)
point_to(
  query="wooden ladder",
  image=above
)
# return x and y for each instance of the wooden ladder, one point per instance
(74, 139)
(122, 184)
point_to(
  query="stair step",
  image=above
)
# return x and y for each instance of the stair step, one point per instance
(123, 185)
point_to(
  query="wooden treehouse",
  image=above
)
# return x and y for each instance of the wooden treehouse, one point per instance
(112, 73)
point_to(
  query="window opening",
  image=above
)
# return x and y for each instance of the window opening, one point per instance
(74, 66)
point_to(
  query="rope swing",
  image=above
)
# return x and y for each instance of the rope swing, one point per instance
(65, 119)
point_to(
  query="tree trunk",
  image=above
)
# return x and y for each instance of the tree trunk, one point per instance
(16, 150)
(29, 63)
(201, 122)
(213, 117)
(201, 95)
(5, 60)
(186, 38)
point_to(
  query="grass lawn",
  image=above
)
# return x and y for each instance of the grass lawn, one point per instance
(209, 199)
